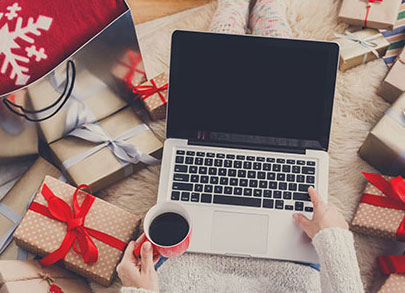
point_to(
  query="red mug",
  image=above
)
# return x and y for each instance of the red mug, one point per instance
(161, 250)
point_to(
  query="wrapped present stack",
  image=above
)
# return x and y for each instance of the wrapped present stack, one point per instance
(394, 267)
(393, 85)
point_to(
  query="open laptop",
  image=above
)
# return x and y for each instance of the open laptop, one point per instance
(247, 133)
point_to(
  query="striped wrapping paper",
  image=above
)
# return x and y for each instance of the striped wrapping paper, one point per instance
(396, 37)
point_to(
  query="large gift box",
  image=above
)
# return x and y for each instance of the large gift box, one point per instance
(359, 47)
(384, 146)
(87, 233)
(154, 95)
(381, 211)
(394, 83)
(18, 137)
(29, 276)
(91, 100)
(379, 14)
(103, 153)
(15, 203)
(394, 266)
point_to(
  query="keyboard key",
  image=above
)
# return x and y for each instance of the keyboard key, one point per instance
(261, 175)
(253, 183)
(279, 204)
(296, 169)
(268, 203)
(231, 172)
(291, 162)
(181, 177)
(282, 186)
(218, 162)
(237, 164)
(223, 181)
(230, 156)
(272, 184)
(257, 193)
(281, 161)
(200, 154)
(180, 168)
(251, 174)
(193, 169)
(304, 187)
(299, 206)
(243, 182)
(300, 178)
(212, 171)
(301, 196)
(263, 184)
(228, 163)
(228, 190)
(308, 170)
(236, 200)
(222, 172)
(301, 162)
(182, 186)
(271, 176)
(247, 192)
(260, 159)
(310, 179)
(289, 207)
(280, 177)
(214, 180)
(276, 167)
(190, 153)
(211, 155)
(241, 173)
(208, 188)
(204, 179)
(233, 181)
(309, 209)
(267, 193)
(257, 166)
(195, 197)
(287, 195)
(198, 161)
(311, 163)
(247, 165)
(270, 160)
(250, 158)
(179, 152)
(208, 162)
(194, 178)
(179, 159)
(237, 191)
(189, 160)
(286, 168)
(185, 196)
(266, 167)
(198, 187)
(175, 195)
(292, 187)
(218, 189)
(277, 194)
(202, 170)
(240, 157)
(222, 156)
(290, 177)
(205, 197)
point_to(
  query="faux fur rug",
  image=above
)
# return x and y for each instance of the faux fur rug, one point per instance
(357, 108)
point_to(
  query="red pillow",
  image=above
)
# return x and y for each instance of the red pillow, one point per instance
(35, 36)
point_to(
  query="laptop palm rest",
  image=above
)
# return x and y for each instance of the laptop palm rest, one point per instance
(239, 233)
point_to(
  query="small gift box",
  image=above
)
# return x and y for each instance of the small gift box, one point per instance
(384, 146)
(130, 70)
(381, 211)
(154, 95)
(18, 137)
(15, 203)
(379, 14)
(394, 266)
(359, 47)
(29, 276)
(87, 233)
(104, 153)
(91, 100)
(394, 83)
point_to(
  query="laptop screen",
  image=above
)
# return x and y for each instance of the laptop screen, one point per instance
(254, 90)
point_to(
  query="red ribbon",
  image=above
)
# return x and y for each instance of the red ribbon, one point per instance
(368, 9)
(394, 199)
(77, 235)
(391, 264)
(145, 91)
(134, 60)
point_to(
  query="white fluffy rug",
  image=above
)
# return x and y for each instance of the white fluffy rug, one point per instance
(357, 108)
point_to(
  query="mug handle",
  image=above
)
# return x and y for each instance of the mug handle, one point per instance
(137, 249)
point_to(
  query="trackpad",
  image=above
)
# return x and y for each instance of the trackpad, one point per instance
(239, 233)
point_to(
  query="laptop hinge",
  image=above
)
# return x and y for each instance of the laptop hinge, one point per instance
(249, 147)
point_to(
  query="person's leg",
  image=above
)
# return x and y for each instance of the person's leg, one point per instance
(268, 18)
(231, 17)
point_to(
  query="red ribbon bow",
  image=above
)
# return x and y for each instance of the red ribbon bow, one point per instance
(145, 91)
(368, 9)
(134, 60)
(394, 199)
(77, 235)
(391, 264)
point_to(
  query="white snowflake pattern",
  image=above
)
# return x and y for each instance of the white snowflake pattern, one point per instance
(20, 72)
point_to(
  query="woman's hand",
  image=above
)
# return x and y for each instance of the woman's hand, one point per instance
(325, 216)
(139, 273)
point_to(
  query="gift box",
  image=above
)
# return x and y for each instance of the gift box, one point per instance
(18, 137)
(130, 70)
(359, 47)
(381, 211)
(154, 95)
(15, 203)
(376, 14)
(394, 83)
(29, 276)
(394, 266)
(104, 153)
(64, 223)
(91, 100)
(384, 146)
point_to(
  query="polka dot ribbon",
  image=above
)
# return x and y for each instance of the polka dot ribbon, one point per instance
(394, 191)
(391, 264)
(77, 235)
(369, 4)
(146, 91)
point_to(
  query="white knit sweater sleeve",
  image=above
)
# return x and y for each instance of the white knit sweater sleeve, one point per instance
(339, 268)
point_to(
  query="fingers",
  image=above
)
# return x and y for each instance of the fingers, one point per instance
(147, 257)
(302, 221)
(129, 252)
(140, 239)
(315, 197)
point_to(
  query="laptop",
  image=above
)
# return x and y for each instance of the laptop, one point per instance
(248, 127)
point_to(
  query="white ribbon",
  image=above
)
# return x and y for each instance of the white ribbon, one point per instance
(126, 153)
(366, 43)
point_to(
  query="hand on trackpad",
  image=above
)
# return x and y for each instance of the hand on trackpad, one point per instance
(239, 233)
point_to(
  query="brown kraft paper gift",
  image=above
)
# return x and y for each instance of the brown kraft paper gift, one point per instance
(29, 276)
(18, 198)
(381, 14)
(394, 83)
(103, 168)
(43, 235)
(394, 284)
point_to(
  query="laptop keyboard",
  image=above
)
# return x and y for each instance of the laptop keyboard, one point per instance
(252, 181)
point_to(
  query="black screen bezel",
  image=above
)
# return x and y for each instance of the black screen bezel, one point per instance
(333, 50)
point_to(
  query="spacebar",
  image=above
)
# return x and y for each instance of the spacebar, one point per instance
(238, 201)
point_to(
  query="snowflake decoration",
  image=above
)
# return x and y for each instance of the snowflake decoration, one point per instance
(20, 72)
